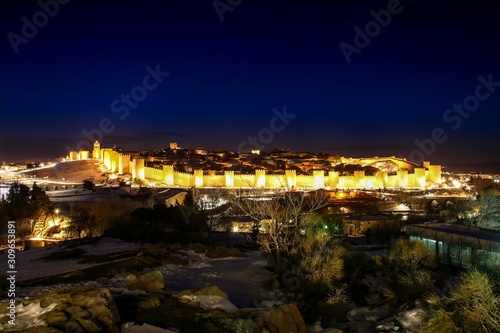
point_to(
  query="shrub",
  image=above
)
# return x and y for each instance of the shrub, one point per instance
(359, 264)
(472, 305)
(338, 296)
(476, 302)
(409, 255)
(222, 252)
(325, 265)
(441, 322)
(414, 284)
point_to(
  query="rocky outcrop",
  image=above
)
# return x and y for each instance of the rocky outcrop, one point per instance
(151, 282)
(368, 314)
(184, 315)
(413, 320)
(283, 319)
(80, 310)
(166, 254)
(206, 290)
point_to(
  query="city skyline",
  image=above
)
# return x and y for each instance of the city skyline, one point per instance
(353, 78)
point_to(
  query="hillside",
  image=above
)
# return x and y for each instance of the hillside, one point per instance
(71, 172)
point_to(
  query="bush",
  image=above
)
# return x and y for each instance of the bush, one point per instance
(359, 264)
(476, 302)
(223, 252)
(472, 306)
(441, 322)
(412, 285)
(325, 266)
(339, 296)
(409, 255)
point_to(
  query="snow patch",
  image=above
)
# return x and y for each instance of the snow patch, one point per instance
(27, 316)
(208, 302)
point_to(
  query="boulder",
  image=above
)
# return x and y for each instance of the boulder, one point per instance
(157, 251)
(150, 301)
(283, 319)
(207, 302)
(84, 309)
(413, 320)
(207, 290)
(197, 247)
(152, 282)
(185, 316)
(56, 319)
(77, 312)
(217, 322)
(367, 314)
(89, 326)
(132, 281)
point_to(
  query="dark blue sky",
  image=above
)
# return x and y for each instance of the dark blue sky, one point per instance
(226, 77)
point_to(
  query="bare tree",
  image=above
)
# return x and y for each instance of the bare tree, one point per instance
(83, 222)
(111, 212)
(279, 215)
(489, 211)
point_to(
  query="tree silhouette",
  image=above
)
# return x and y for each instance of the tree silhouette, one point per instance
(489, 211)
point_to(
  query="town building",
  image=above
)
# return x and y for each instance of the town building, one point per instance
(459, 245)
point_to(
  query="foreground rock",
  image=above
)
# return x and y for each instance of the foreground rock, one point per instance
(206, 290)
(185, 315)
(283, 319)
(78, 309)
(413, 320)
(367, 314)
(151, 282)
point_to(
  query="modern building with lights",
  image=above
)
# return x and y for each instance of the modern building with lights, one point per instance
(459, 245)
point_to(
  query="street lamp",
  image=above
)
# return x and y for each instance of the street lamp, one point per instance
(57, 212)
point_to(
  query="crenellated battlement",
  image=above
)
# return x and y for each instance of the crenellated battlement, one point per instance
(410, 175)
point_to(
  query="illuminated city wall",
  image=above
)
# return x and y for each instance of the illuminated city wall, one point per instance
(183, 179)
(410, 175)
(304, 180)
(155, 174)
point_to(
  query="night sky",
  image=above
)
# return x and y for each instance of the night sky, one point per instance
(295, 75)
